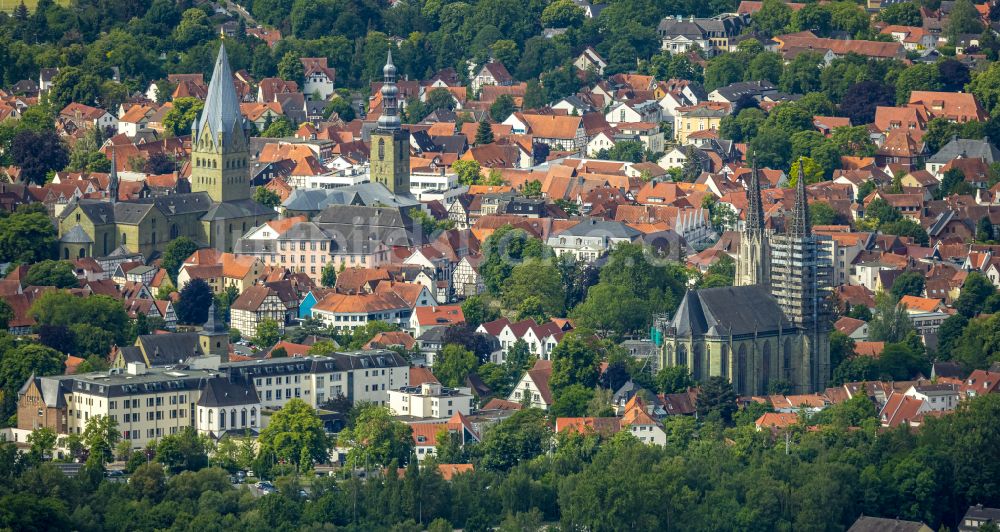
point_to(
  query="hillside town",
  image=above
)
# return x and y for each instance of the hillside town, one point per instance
(744, 254)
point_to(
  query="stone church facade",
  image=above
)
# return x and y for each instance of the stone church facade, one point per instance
(216, 212)
(774, 325)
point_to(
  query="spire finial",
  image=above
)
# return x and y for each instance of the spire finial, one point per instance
(755, 207)
(389, 121)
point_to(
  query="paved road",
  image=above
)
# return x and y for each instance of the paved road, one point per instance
(251, 23)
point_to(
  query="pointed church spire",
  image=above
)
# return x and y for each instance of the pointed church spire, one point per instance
(800, 226)
(755, 207)
(222, 108)
(389, 121)
(113, 178)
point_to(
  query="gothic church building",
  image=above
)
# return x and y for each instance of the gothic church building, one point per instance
(774, 325)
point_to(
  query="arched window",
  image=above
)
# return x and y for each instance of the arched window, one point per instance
(124, 239)
(83, 253)
(381, 149)
(222, 419)
(66, 253)
(696, 362)
(232, 418)
(682, 355)
(670, 355)
(741, 370)
(765, 364)
(243, 418)
(253, 417)
(211, 416)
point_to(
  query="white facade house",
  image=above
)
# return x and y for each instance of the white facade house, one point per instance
(319, 78)
(533, 388)
(228, 406)
(590, 239)
(939, 397)
(430, 400)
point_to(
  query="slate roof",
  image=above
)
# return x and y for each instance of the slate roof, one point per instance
(595, 227)
(370, 194)
(222, 108)
(222, 391)
(735, 310)
(968, 148)
(170, 349)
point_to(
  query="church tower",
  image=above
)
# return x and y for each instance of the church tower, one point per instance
(800, 282)
(754, 264)
(390, 148)
(213, 338)
(219, 147)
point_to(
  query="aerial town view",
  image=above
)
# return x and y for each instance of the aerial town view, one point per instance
(500, 265)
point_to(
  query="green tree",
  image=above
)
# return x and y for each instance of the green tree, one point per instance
(532, 189)
(772, 18)
(535, 280)
(266, 197)
(290, 68)
(572, 401)
(100, 434)
(975, 291)
(27, 237)
(922, 77)
(468, 172)
(478, 310)
(295, 434)
(522, 436)
(811, 169)
(268, 333)
(280, 128)
(194, 28)
(890, 322)
(901, 14)
(906, 227)
(453, 364)
(821, 213)
(673, 379)
(575, 360)
(59, 274)
(341, 107)
(440, 98)
(963, 18)
(38, 154)
(562, 14)
(42, 442)
(908, 284)
(329, 275)
(717, 398)
(183, 451)
(17, 364)
(502, 108)
(176, 252)
(484, 133)
(376, 439)
(534, 95)
(182, 114)
(979, 344)
(192, 308)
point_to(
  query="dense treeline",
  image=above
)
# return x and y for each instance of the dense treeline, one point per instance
(708, 477)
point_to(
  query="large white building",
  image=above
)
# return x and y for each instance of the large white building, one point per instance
(147, 404)
(430, 400)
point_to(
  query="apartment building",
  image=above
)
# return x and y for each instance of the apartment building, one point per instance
(430, 400)
(360, 376)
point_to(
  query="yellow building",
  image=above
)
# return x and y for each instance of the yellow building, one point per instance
(217, 211)
(701, 117)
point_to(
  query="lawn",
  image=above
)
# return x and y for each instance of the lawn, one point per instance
(9, 5)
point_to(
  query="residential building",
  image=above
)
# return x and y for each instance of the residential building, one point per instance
(712, 35)
(702, 116)
(253, 306)
(430, 400)
(349, 311)
(319, 78)
(941, 397)
(591, 239)
(533, 388)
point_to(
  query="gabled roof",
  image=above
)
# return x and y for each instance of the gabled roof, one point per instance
(540, 374)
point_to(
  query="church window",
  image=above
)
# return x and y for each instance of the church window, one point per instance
(83, 253)
(682, 355)
(741, 370)
(787, 355)
(696, 362)
(124, 239)
(766, 366)
(381, 149)
(724, 360)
